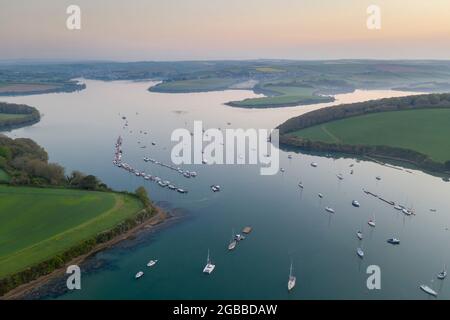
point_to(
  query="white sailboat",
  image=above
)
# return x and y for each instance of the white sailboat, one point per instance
(360, 253)
(372, 222)
(443, 274)
(151, 263)
(292, 279)
(209, 266)
(233, 241)
(428, 290)
(359, 234)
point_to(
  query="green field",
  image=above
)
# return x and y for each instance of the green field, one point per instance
(38, 223)
(4, 177)
(424, 131)
(284, 95)
(194, 85)
(8, 116)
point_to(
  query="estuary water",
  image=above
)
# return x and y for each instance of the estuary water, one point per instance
(79, 131)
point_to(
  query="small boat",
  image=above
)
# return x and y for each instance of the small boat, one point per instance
(139, 274)
(162, 184)
(282, 170)
(433, 210)
(314, 164)
(441, 275)
(398, 207)
(355, 204)
(360, 253)
(393, 241)
(330, 210)
(292, 279)
(204, 161)
(181, 190)
(193, 174)
(215, 188)
(359, 235)
(209, 266)
(289, 156)
(239, 237)
(371, 223)
(378, 178)
(406, 211)
(428, 290)
(301, 185)
(340, 176)
(247, 230)
(171, 187)
(233, 242)
(151, 263)
(320, 195)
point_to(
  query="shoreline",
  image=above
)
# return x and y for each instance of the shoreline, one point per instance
(21, 291)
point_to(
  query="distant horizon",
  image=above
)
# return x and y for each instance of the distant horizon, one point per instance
(94, 60)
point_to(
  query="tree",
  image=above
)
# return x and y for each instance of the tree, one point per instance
(142, 194)
(89, 182)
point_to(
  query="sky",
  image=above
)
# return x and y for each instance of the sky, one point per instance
(134, 30)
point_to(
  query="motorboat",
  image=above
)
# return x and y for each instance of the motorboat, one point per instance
(359, 234)
(151, 263)
(320, 195)
(314, 164)
(393, 241)
(139, 274)
(360, 253)
(371, 223)
(340, 176)
(330, 210)
(356, 204)
(215, 188)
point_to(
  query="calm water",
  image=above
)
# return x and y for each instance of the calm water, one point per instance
(79, 130)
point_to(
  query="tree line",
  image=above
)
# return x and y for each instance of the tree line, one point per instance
(27, 165)
(30, 115)
(333, 113)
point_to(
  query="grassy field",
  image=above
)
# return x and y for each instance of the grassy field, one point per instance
(194, 85)
(425, 131)
(284, 95)
(7, 116)
(38, 223)
(3, 176)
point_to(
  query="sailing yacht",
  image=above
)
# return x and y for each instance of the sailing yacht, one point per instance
(233, 242)
(209, 266)
(360, 253)
(428, 290)
(371, 222)
(359, 235)
(292, 280)
(441, 275)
